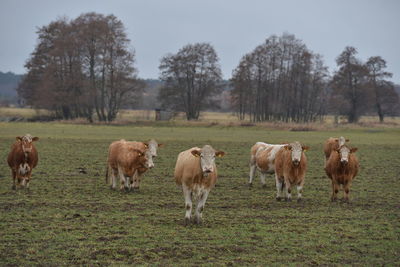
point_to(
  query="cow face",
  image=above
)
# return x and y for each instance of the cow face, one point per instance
(296, 150)
(152, 145)
(207, 158)
(149, 159)
(344, 153)
(26, 142)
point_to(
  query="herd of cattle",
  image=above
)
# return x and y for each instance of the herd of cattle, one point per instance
(196, 171)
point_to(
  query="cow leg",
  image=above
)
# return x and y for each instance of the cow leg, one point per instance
(279, 186)
(124, 182)
(135, 180)
(252, 173)
(114, 174)
(346, 193)
(288, 189)
(300, 190)
(200, 206)
(187, 193)
(14, 176)
(262, 177)
(335, 189)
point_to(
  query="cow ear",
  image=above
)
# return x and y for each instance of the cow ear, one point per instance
(305, 148)
(353, 150)
(337, 140)
(160, 145)
(288, 147)
(146, 145)
(35, 139)
(18, 138)
(196, 152)
(347, 140)
(219, 154)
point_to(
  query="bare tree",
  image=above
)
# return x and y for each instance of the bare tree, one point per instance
(82, 66)
(349, 85)
(279, 80)
(383, 93)
(191, 77)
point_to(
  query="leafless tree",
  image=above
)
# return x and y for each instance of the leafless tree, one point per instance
(191, 77)
(82, 66)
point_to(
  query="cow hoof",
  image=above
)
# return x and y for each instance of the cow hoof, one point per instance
(278, 198)
(13, 187)
(186, 221)
(250, 185)
(333, 199)
(299, 200)
(288, 200)
(264, 186)
(199, 221)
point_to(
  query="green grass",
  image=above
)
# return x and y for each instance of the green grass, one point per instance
(69, 218)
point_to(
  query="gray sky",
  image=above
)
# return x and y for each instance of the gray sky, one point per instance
(234, 28)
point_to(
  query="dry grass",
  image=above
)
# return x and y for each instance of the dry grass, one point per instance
(147, 117)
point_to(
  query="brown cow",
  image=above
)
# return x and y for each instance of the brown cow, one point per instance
(124, 159)
(22, 158)
(151, 153)
(262, 157)
(341, 167)
(290, 169)
(196, 172)
(332, 144)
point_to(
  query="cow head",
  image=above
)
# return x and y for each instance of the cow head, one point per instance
(207, 158)
(296, 150)
(152, 145)
(144, 158)
(341, 141)
(26, 142)
(344, 153)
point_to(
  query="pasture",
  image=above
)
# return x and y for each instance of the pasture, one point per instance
(70, 217)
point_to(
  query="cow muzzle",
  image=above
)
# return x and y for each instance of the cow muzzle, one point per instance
(344, 162)
(296, 162)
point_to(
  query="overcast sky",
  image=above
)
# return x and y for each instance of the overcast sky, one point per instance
(234, 28)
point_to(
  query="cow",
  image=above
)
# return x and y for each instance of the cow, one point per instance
(124, 159)
(341, 167)
(151, 152)
(196, 172)
(22, 158)
(262, 157)
(332, 144)
(290, 169)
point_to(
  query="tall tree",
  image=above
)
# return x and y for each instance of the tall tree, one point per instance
(383, 93)
(80, 67)
(349, 85)
(280, 80)
(191, 77)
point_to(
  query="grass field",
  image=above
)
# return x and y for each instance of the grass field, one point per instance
(71, 218)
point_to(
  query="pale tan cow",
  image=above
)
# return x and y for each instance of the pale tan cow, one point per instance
(262, 157)
(290, 169)
(124, 159)
(196, 172)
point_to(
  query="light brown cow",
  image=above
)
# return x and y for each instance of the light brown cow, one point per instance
(290, 169)
(151, 153)
(332, 144)
(196, 172)
(262, 157)
(341, 167)
(124, 159)
(22, 158)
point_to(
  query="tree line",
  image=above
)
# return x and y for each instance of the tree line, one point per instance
(85, 68)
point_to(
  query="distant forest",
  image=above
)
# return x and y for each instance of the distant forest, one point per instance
(85, 67)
